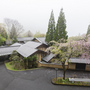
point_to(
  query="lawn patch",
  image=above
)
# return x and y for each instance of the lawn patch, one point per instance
(9, 66)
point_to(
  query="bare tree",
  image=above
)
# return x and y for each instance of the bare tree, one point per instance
(14, 28)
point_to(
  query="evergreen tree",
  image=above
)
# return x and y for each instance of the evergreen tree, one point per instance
(88, 30)
(60, 31)
(51, 28)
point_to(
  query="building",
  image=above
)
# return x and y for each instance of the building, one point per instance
(39, 39)
(24, 39)
(32, 48)
(79, 64)
(6, 51)
(73, 63)
(38, 47)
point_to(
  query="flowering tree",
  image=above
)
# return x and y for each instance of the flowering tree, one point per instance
(63, 51)
(81, 48)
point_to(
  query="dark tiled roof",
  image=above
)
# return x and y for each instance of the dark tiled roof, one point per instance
(16, 44)
(48, 57)
(7, 50)
(24, 38)
(28, 49)
(33, 44)
(79, 60)
(41, 39)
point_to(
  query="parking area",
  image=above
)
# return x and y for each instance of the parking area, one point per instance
(36, 79)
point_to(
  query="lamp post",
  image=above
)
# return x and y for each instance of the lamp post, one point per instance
(56, 72)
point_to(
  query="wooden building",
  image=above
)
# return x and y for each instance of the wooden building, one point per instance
(73, 64)
(6, 51)
(39, 39)
(44, 60)
(24, 39)
(32, 48)
(79, 64)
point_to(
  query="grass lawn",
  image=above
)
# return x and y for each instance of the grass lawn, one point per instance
(60, 81)
(11, 67)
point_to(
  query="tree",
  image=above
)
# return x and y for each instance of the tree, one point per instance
(60, 31)
(28, 34)
(16, 61)
(38, 34)
(51, 28)
(3, 31)
(2, 40)
(81, 49)
(77, 38)
(13, 32)
(62, 51)
(88, 30)
(14, 28)
(14, 40)
(25, 61)
(30, 62)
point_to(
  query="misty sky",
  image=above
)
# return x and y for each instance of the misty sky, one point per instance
(34, 14)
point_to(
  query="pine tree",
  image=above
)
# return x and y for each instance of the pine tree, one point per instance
(51, 28)
(60, 31)
(88, 30)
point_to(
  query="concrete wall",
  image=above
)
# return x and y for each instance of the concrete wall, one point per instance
(51, 65)
(87, 67)
(72, 66)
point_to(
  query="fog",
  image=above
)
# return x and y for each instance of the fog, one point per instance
(34, 14)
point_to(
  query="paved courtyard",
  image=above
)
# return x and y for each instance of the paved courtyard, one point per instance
(37, 79)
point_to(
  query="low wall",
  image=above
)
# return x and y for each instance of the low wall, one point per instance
(72, 66)
(87, 67)
(51, 65)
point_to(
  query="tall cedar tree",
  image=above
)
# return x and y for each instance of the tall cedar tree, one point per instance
(88, 30)
(60, 31)
(51, 28)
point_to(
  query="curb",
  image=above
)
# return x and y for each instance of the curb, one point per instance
(69, 84)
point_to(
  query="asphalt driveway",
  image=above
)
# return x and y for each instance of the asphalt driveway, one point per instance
(37, 79)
